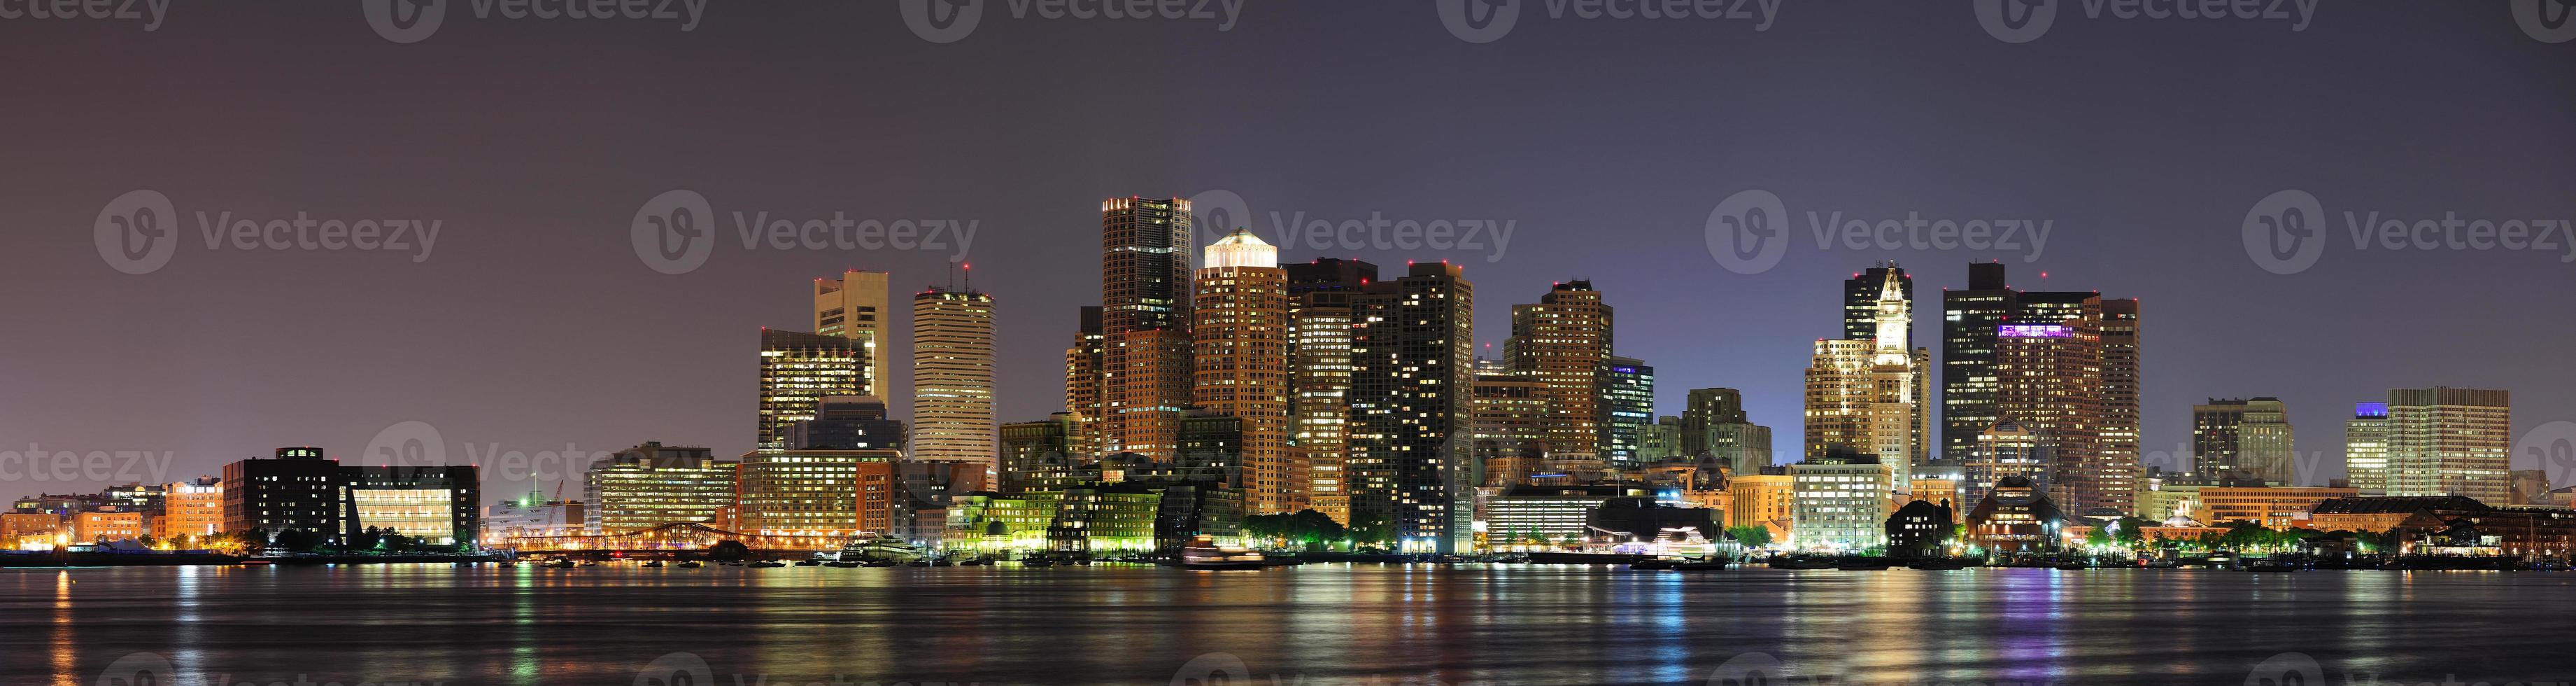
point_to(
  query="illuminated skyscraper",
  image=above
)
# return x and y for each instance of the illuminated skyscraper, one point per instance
(2448, 441)
(1144, 311)
(1319, 313)
(952, 376)
(1083, 367)
(1414, 354)
(1242, 363)
(1509, 429)
(796, 370)
(1865, 396)
(2365, 448)
(854, 307)
(1564, 339)
(1624, 408)
(1714, 423)
(1969, 383)
(2243, 440)
(2051, 386)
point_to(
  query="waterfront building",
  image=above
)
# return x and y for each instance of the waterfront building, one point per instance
(909, 499)
(1564, 340)
(190, 509)
(1413, 347)
(1320, 316)
(33, 530)
(2171, 494)
(114, 525)
(952, 376)
(1629, 523)
(1242, 365)
(854, 307)
(298, 490)
(2007, 450)
(1921, 529)
(652, 484)
(798, 370)
(2450, 441)
(2016, 517)
(1552, 517)
(436, 505)
(1212, 450)
(1761, 500)
(810, 493)
(533, 516)
(2273, 507)
(1040, 455)
(1842, 501)
(2365, 448)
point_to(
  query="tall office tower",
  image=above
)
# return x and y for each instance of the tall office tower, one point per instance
(1413, 349)
(1319, 314)
(1969, 321)
(2118, 471)
(1242, 363)
(1625, 408)
(2003, 451)
(2449, 441)
(1144, 322)
(2242, 440)
(2365, 448)
(854, 307)
(1862, 293)
(1564, 339)
(1083, 383)
(1040, 455)
(1509, 431)
(1865, 396)
(796, 370)
(1714, 424)
(952, 376)
(2051, 385)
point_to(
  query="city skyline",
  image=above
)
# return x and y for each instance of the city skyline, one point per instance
(246, 354)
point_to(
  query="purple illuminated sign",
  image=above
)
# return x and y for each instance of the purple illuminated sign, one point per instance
(2370, 410)
(2034, 331)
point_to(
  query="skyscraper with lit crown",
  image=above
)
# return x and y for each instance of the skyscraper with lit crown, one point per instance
(952, 376)
(1242, 357)
(855, 307)
(1866, 396)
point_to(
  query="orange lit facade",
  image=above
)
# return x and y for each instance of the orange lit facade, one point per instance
(1240, 356)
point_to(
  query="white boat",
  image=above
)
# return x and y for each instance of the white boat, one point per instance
(887, 548)
(1204, 553)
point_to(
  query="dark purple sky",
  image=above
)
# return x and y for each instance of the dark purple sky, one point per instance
(533, 325)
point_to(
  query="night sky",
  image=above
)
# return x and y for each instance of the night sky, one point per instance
(531, 323)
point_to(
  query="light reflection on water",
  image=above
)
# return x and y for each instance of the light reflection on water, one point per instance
(1321, 623)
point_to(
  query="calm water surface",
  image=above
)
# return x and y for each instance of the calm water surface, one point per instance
(1322, 624)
